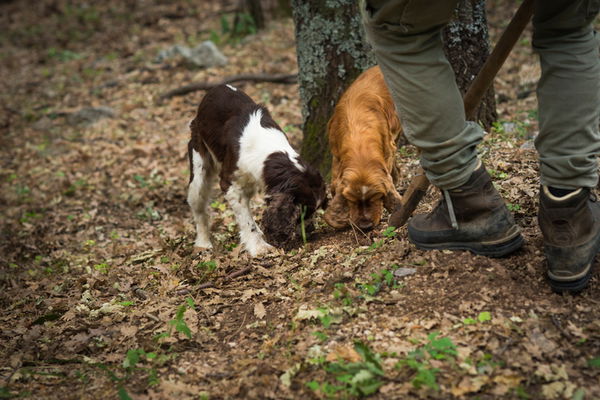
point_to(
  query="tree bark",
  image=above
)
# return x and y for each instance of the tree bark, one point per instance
(467, 47)
(331, 52)
(255, 10)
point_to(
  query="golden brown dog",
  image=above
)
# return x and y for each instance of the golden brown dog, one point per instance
(362, 133)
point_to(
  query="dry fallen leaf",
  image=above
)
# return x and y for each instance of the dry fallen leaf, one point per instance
(259, 310)
(469, 385)
(343, 352)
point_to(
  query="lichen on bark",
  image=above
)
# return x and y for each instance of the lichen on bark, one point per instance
(331, 52)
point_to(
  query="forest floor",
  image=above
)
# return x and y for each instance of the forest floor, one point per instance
(103, 295)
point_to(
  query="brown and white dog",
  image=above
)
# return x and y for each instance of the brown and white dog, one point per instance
(362, 133)
(238, 140)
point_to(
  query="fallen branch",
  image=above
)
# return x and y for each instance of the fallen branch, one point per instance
(192, 87)
(229, 277)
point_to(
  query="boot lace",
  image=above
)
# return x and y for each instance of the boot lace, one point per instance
(450, 209)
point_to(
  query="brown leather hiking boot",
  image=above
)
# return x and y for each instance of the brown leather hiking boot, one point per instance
(571, 229)
(471, 217)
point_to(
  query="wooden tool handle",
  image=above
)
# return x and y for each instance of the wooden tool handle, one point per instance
(418, 186)
(410, 200)
(496, 59)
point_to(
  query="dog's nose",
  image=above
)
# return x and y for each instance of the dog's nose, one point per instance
(365, 225)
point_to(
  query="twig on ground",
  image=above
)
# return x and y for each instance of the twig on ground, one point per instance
(206, 285)
(226, 339)
(560, 328)
(239, 272)
(152, 317)
(193, 87)
(356, 228)
(233, 275)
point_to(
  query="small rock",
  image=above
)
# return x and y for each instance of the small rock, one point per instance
(403, 271)
(90, 115)
(205, 55)
(42, 124)
(509, 127)
(528, 145)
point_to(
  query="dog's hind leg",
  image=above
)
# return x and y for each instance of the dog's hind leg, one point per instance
(251, 236)
(202, 174)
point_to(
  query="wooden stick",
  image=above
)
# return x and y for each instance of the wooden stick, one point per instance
(192, 87)
(494, 62)
(419, 185)
(413, 195)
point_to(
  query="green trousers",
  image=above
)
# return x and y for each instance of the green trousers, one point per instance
(406, 39)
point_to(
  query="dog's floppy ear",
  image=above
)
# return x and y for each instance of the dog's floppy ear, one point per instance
(280, 221)
(337, 214)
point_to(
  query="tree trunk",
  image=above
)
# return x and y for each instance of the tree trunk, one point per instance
(256, 12)
(467, 47)
(331, 53)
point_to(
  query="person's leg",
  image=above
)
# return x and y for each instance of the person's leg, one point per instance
(568, 93)
(569, 140)
(406, 39)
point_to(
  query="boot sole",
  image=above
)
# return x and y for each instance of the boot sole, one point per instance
(495, 249)
(571, 286)
(575, 285)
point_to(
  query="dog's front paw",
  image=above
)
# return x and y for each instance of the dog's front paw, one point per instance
(257, 248)
(203, 243)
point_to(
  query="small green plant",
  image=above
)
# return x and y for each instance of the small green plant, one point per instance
(378, 281)
(28, 216)
(242, 25)
(497, 174)
(513, 207)
(419, 360)
(75, 186)
(149, 213)
(361, 378)
(390, 232)
(340, 292)
(325, 317)
(218, 206)
(594, 362)
(63, 55)
(376, 244)
(482, 317)
(140, 180)
(178, 323)
(320, 335)
(22, 190)
(208, 266)
(302, 227)
(135, 357)
(487, 364)
(509, 130)
(102, 268)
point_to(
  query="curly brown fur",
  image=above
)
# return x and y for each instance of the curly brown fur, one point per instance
(280, 222)
(363, 132)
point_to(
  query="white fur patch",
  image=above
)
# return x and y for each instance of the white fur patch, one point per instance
(198, 198)
(257, 143)
(231, 87)
(251, 236)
